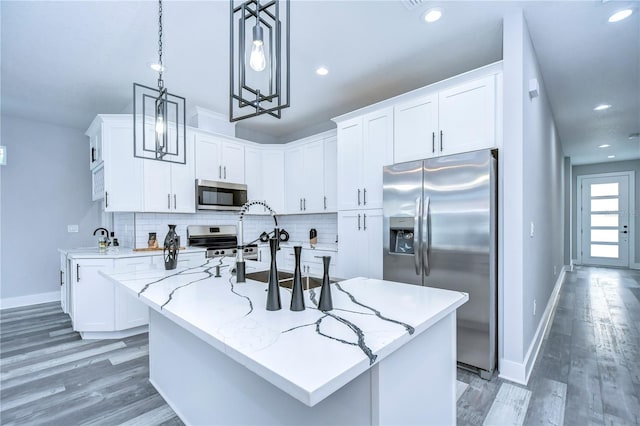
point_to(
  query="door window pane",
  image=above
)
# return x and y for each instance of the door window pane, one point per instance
(601, 250)
(604, 235)
(604, 220)
(604, 189)
(604, 205)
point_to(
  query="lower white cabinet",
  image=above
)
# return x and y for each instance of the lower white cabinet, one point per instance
(93, 296)
(97, 304)
(360, 243)
(310, 261)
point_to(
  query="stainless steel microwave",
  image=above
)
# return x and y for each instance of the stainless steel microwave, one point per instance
(212, 195)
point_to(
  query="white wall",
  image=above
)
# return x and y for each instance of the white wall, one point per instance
(608, 167)
(533, 185)
(46, 185)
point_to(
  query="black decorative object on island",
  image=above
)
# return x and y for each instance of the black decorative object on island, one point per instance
(171, 248)
(297, 295)
(325, 303)
(273, 293)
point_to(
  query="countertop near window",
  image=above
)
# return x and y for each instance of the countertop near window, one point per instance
(117, 252)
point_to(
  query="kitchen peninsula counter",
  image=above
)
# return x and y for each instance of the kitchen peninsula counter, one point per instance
(386, 354)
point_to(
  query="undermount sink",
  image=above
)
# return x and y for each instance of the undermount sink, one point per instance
(285, 279)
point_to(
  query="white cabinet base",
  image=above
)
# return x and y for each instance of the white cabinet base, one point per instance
(99, 335)
(413, 385)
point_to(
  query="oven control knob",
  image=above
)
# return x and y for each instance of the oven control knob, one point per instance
(217, 252)
(246, 250)
(234, 250)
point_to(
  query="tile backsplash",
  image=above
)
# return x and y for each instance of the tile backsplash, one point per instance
(125, 225)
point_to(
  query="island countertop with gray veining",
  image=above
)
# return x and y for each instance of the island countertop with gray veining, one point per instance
(308, 354)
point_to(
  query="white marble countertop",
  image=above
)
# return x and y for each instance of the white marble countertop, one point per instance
(117, 252)
(308, 354)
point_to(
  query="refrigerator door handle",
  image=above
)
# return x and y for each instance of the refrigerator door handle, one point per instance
(426, 237)
(416, 238)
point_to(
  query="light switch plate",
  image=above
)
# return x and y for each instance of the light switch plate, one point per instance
(72, 228)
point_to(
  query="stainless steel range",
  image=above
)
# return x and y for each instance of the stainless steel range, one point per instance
(219, 240)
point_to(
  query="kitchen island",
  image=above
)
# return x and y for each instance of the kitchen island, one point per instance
(386, 353)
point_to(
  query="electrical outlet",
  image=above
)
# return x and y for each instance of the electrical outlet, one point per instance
(534, 307)
(532, 229)
(72, 228)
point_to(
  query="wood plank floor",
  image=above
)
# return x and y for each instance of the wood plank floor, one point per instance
(588, 371)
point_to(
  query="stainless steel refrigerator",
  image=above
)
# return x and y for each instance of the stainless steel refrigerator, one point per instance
(440, 227)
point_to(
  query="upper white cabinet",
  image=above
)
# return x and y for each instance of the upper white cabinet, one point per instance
(121, 174)
(95, 149)
(458, 119)
(304, 177)
(169, 187)
(330, 174)
(310, 175)
(219, 159)
(365, 145)
(264, 177)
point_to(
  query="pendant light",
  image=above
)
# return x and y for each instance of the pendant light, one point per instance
(259, 58)
(159, 117)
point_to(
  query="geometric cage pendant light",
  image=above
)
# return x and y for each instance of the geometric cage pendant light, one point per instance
(159, 125)
(259, 49)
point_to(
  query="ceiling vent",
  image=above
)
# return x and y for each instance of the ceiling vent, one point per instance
(412, 4)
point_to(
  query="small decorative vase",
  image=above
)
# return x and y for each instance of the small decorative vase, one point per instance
(273, 293)
(325, 303)
(297, 295)
(171, 248)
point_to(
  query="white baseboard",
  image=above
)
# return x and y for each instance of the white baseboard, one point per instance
(32, 299)
(519, 372)
(99, 335)
(634, 265)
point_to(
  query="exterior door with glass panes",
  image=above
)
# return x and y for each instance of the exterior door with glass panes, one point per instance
(605, 220)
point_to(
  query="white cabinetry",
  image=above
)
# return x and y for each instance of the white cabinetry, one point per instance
(97, 305)
(330, 174)
(304, 178)
(365, 145)
(120, 174)
(310, 261)
(360, 243)
(93, 296)
(458, 119)
(169, 187)
(264, 177)
(185, 260)
(219, 159)
(64, 284)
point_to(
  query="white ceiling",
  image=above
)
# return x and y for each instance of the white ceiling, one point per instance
(64, 62)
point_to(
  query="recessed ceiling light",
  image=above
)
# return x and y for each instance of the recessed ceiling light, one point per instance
(157, 67)
(322, 71)
(602, 107)
(611, 156)
(620, 15)
(432, 15)
(606, 145)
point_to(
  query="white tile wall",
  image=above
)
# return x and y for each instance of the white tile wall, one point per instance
(297, 226)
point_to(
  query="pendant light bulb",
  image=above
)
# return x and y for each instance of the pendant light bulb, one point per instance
(160, 126)
(257, 60)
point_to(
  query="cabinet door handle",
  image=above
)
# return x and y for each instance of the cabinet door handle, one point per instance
(358, 222)
(364, 197)
(300, 204)
(433, 142)
(175, 201)
(225, 172)
(106, 199)
(364, 222)
(358, 196)
(60, 278)
(440, 140)
(304, 203)
(77, 272)
(219, 172)
(169, 201)
(325, 202)
(93, 154)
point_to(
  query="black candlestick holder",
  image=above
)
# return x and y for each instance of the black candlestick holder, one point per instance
(273, 292)
(325, 303)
